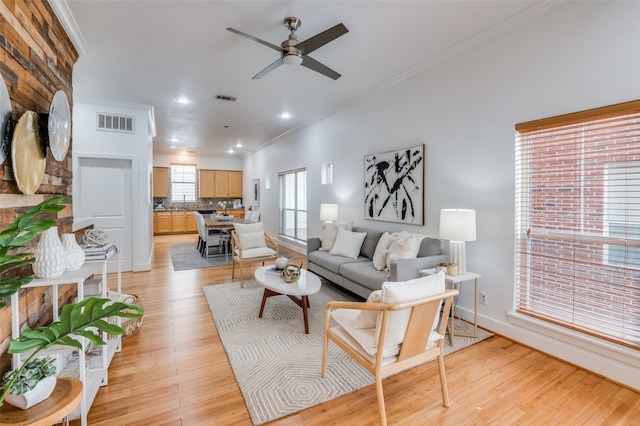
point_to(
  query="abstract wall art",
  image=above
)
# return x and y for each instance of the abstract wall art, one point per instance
(394, 186)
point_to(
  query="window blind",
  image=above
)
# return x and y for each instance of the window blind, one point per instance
(578, 221)
(293, 204)
(183, 183)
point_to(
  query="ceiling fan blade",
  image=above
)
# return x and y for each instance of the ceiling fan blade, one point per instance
(268, 69)
(319, 40)
(250, 37)
(314, 65)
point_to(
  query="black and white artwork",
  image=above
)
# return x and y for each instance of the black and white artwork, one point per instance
(394, 186)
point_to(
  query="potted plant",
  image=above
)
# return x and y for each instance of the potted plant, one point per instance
(33, 384)
(86, 318)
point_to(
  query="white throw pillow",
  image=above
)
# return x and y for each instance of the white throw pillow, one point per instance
(249, 240)
(369, 319)
(330, 232)
(399, 292)
(242, 228)
(380, 255)
(404, 246)
(348, 243)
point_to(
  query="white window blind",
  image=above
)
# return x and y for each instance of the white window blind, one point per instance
(293, 204)
(183, 183)
(578, 221)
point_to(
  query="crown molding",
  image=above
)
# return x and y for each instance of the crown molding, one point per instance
(62, 11)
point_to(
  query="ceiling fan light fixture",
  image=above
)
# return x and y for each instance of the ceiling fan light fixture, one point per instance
(292, 59)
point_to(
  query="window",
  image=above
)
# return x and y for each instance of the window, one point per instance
(183, 183)
(293, 204)
(578, 221)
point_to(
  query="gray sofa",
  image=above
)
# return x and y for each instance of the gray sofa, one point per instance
(358, 275)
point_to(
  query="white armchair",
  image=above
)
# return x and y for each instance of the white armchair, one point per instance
(396, 329)
(250, 244)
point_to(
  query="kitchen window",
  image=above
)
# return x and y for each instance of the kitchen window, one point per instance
(183, 183)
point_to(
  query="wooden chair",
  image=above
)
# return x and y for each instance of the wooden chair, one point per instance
(250, 244)
(401, 319)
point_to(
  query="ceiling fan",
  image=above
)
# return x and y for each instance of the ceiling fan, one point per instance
(296, 52)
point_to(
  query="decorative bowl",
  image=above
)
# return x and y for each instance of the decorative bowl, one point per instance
(223, 218)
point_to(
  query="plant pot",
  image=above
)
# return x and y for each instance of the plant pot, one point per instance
(49, 256)
(74, 255)
(42, 391)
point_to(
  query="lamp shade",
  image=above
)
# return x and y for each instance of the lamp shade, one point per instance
(458, 224)
(328, 212)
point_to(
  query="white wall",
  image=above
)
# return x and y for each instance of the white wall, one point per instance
(212, 163)
(576, 56)
(137, 147)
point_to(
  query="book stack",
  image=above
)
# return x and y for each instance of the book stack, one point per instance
(98, 252)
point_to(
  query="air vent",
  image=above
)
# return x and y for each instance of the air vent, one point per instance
(115, 123)
(226, 98)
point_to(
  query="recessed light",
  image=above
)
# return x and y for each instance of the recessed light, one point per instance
(231, 151)
(183, 100)
(239, 144)
(173, 147)
(174, 140)
(285, 115)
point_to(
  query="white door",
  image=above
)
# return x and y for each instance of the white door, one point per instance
(106, 195)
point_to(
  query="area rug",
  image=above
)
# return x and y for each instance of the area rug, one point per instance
(277, 366)
(186, 256)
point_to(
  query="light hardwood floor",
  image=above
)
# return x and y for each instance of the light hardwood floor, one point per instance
(175, 372)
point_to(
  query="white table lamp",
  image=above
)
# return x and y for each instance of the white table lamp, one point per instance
(328, 212)
(458, 226)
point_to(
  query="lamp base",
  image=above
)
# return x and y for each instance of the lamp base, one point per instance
(458, 255)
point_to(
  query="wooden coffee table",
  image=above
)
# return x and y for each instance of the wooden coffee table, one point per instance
(299, 291)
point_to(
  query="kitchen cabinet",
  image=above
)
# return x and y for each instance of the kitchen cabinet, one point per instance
(161, 182)
(220, 183)
(206, 187)
(235, 184)
(174, 222)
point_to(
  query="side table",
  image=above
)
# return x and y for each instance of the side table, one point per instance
(64, 399)
(457, 279)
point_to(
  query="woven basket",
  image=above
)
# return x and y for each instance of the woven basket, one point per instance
(130, 325)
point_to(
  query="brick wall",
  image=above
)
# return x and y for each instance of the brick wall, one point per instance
(37, 59)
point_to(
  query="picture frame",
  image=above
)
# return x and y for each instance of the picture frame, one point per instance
(394, 186)
(256, 193)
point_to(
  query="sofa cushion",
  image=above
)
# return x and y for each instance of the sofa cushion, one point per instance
(330, 232)
(382, 249)
(403, 246)
(249, 240)
(348, 244)
(429, 247)
(332, 263)
(370, 242)
(364, 273)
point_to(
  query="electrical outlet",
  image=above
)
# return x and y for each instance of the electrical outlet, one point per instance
(483, 298)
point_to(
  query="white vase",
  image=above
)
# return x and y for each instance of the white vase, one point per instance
(42, 391)
(49, 256)
(73, 253)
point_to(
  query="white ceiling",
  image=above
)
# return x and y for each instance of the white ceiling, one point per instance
(152, 52)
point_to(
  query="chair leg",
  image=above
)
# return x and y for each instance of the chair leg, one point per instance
(380, 395)
(325, 353)
(443, 380)
(241, 274)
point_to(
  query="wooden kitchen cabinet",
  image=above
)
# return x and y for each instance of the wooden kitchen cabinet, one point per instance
(190, 222)
(235, 184)
(174, 222)
(177, 222)
(162, 222)
(161, 182)
(219, 184)
(206, 188)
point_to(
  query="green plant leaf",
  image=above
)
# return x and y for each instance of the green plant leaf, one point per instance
(79, 319)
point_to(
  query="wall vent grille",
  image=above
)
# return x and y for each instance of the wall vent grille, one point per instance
(115, 123)
(226, 98)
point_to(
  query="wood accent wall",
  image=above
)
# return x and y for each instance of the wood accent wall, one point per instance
(37, 59)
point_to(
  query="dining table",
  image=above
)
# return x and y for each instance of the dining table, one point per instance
(213, 223)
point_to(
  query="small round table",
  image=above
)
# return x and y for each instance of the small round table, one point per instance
(64, 399)
(274, 285)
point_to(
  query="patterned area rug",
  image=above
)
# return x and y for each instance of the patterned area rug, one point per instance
(186, 256)
(276, 364)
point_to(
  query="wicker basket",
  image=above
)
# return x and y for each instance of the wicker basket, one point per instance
(130, 325)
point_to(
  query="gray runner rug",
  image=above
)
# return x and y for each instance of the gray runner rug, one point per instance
(277, 366)
(186, 256)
